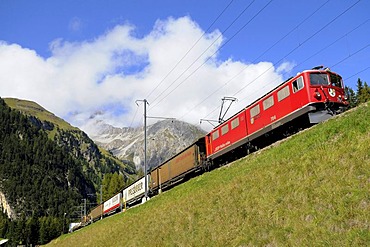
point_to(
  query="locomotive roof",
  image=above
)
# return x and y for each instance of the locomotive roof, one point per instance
(326, 70)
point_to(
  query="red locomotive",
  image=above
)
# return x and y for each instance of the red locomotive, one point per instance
(310, 97)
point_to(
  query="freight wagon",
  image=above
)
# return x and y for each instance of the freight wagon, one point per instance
(135, 191)
(188, 161)
(96, 213)
(113, 204)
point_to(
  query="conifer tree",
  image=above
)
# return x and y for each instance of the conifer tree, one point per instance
(364, 94)
(112, 184)
(352, 97)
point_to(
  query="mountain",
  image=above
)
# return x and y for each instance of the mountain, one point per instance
(164, 139)
(77, 142)
(47, 168)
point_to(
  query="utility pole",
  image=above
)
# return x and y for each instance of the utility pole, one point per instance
(84, 207)
(101, 196)
(145, 147)
(145, 168)
(64, 221)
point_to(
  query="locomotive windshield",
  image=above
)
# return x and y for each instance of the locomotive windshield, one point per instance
(335, 80)
(318, 79)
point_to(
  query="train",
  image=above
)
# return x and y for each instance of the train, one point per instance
(310, 97)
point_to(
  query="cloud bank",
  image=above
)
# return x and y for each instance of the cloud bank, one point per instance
(101, 79)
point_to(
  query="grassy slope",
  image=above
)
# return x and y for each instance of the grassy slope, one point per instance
(311, 190)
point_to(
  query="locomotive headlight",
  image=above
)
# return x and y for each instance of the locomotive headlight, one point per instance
(317, 95)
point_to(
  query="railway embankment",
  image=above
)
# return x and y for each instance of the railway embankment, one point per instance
(310, 190)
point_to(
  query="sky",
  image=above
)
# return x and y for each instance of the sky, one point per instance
(95, 61)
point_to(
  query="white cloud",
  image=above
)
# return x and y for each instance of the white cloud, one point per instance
(109, 73)
(285, 67)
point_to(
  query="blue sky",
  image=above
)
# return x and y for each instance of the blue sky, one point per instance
(95, 58)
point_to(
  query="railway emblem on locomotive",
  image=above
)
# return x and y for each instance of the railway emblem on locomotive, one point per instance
(331, 92)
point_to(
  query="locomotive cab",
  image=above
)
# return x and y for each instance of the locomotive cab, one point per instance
(326, 91)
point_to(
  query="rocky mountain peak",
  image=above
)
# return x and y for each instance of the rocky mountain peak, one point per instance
(164, 139)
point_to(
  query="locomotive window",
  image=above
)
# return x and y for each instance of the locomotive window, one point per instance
(255, 110)
(298, 84)
(335, 80)
(267, 103)
(283, 93)
(215, 135)
(224, 129)
(319, 79)
(235, 123)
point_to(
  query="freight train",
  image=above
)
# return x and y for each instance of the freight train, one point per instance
(310, 97)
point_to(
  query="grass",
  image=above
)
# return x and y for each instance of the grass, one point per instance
(310, 190)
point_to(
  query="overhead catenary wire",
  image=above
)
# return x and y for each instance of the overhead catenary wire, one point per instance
(133, 119)
(309, 38)
(326, 47)
(342, 60)
(306, 40)
(267, 50)
(191, 48)
(228, 27)
(192, 73)
(350, 55)
(359, 72)
(183, 57)
(292, 30)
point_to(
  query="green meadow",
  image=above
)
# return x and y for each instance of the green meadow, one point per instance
(312, 189)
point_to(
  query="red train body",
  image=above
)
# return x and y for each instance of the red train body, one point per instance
(317, 94)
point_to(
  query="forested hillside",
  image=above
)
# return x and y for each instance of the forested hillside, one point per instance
(95, 162)
(45, 173)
